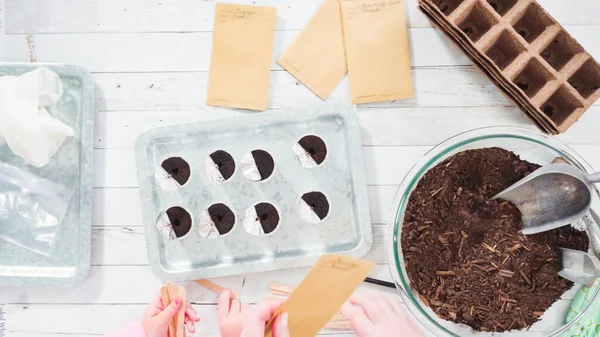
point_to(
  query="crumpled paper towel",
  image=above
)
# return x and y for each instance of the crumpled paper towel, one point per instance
(25, 124)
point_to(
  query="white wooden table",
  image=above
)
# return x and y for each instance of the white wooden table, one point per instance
(150, 61)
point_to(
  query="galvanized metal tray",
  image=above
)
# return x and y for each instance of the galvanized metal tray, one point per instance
(71, 166)
(296, 242)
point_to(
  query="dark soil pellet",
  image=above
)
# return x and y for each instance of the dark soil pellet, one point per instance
(318, 203)
(223, 218)
(178, 168)
(180, 220)
(315, 146)
(264, 163)
(224, 162)
(268, 216)
(465, 254)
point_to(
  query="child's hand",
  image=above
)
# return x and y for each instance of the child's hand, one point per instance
(239, 320)
(232, 315)
(259, 316)
(376, 315)
(157, 318)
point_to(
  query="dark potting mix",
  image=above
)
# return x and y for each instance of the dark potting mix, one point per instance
(465, 254)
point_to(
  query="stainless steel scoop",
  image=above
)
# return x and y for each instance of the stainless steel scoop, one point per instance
(579, 267)
(551, 197)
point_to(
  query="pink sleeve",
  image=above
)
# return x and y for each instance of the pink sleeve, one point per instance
(131, 330)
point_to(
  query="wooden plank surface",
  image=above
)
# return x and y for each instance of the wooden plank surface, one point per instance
(461, 87)
(150, 59)
(128, 52)
(418, 126)
(119, 16)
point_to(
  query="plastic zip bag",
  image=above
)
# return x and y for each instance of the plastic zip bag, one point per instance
(31, 209)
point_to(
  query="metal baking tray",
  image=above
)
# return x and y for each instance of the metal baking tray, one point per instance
(71, 166)
(296, 242)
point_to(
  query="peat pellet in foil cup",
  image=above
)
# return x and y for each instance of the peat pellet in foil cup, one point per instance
(313, 207)
(310, 151)
(257, 165)
(172, 173)
(261, 219)
(215, 221)
(219, 166)
(174, 223)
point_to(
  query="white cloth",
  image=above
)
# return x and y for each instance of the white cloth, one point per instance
(25, 124)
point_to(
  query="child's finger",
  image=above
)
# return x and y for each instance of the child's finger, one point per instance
(395, 309)
(191, 313)
(155, 306)
(189, 324)
(244, 311)
(372, 304)
(256, 320)
(358, 319)
(235, 307)
(280, 328)
(188, 318)
(170, 311)
(223, 304)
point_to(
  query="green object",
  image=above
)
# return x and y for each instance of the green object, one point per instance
(590, 324)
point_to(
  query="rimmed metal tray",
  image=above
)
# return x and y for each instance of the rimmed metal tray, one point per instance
(69, 264)
(296, 243)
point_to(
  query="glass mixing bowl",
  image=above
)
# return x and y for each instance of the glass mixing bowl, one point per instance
(529, 145)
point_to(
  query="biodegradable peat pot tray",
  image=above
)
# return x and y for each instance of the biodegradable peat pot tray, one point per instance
(529, 56)
(253, 193)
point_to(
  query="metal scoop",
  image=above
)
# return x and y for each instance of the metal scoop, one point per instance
(551, 197)
(578, 267)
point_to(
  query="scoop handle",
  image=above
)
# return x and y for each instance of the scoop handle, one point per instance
(594, 178)
(593, 226)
